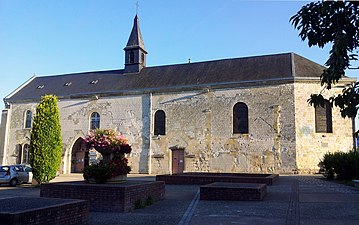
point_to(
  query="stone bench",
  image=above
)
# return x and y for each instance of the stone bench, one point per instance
(35, 210)
(202, 178)
(233, 191)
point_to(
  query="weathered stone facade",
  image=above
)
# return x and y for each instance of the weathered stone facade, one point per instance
(311, 146)
(198, 101)
(281, 136)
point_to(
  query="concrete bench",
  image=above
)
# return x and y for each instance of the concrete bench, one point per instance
(35, 210)
(233, 191)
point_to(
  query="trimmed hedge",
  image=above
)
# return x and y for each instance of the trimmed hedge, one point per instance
(341, 165)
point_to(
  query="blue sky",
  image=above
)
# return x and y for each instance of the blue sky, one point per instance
(55, 37)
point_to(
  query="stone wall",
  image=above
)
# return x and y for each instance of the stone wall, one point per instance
(129, 114)
(16, 133)
(311, 146)
(202, 123)
(281, 135)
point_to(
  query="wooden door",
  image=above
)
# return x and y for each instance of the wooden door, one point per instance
(177, 161)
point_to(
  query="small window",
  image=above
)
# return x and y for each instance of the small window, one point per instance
(131, 57)
(95, 121)
(323, 118)
(240, 118)
(67, 84)
(25, 155)
(142, 58)
(160, 123)
(94, 82)
(28, 119)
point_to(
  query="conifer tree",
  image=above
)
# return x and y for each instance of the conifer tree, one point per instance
(46, 141)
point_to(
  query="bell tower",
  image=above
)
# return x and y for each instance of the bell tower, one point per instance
(135, 52)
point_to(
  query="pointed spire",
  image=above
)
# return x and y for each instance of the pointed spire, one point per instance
(135, 40)
(135, 52)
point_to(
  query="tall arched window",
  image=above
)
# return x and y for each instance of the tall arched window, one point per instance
(19, 153)
(25, 155)
(323, 118)
(160, 123)
(240, 118)
(131, 57)
(28, 119)
(95, 121)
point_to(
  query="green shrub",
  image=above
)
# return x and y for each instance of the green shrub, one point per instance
(100, 173)
(139, 204)
(149, 200)
(341, 165)
(46, 141)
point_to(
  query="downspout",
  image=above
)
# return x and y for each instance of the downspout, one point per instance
(150, 139)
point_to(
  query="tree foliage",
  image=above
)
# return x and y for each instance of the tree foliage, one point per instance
(337, 23)
(46, 141)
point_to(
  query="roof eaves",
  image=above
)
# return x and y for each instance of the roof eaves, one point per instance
(19, 88)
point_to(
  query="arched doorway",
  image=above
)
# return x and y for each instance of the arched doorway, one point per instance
(79, 156)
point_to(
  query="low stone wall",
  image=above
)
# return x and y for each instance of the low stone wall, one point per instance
(32, 210)
(233, 191)
(107, 197)
(207, 178)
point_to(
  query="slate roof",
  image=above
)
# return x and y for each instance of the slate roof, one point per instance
(225, 71)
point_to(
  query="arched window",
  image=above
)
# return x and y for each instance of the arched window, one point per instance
(95, 121)
(19, 153)
(160, 123)
(25, 155)
(131, 57)
(28, 119)
(240, 118)
(323, 118)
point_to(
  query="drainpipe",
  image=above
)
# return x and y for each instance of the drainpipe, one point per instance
(150, 139)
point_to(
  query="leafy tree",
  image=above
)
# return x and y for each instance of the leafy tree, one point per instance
(335, 22)
(46, 141)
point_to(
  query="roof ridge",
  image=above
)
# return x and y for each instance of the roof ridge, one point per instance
(218, 60)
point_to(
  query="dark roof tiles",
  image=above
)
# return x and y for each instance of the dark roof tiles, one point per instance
(257, 68)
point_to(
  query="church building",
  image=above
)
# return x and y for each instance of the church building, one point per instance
(245, 114)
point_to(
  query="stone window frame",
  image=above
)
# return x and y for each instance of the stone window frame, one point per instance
(28, 119)
(95, 120)
(323, 118)
(240, 122)
(159, 127)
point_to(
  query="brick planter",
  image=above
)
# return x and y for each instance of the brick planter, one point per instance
(207, 178)
(233, 191)
(31, 210)
(107, 197)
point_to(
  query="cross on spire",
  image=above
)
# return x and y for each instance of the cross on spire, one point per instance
(137, 5)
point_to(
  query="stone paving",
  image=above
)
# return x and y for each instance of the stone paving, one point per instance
(292, 200)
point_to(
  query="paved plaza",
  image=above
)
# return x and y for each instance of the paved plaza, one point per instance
(292, 200)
